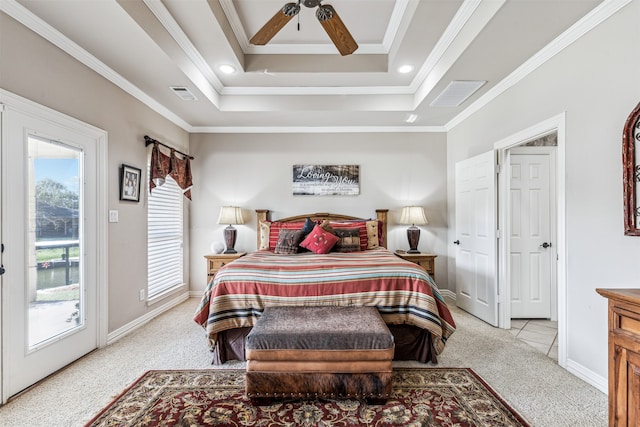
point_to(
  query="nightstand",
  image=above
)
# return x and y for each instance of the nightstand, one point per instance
(428, 261)
(215, 262)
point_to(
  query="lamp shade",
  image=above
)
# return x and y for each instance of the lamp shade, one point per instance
(413, 215)
(230, 215)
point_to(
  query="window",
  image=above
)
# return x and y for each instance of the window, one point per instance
(164, 226)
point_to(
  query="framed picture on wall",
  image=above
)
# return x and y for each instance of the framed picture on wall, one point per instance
(130, 183)
(326, 180)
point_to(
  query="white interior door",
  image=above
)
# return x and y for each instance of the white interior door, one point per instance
(476, 253)
(50, 234)
(532, 250)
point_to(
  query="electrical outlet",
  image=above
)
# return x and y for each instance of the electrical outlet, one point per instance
(113, 216)
(141, 294)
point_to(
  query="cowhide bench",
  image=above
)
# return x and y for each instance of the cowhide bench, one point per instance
(325, 352)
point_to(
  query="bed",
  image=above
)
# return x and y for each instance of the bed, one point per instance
(290, 270)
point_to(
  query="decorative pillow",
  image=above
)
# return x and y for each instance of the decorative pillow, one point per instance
(348, 240)
(319, 241)
(308, 227)
(288, 241)
(373, 236)
(264, 230)
(326, 226)
(362, 227)
(274, 231)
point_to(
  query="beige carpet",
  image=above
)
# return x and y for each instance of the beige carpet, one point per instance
(534, 385)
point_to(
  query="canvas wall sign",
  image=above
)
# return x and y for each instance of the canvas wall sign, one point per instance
(326, 180)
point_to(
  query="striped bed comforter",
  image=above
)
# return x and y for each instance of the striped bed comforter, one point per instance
(402, 291)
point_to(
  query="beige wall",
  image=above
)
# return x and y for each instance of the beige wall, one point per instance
(255, 172)
(596, 82)
(34, 69)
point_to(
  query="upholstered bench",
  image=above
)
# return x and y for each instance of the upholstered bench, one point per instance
(326, 352)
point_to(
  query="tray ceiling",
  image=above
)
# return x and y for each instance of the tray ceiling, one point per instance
(298, 81)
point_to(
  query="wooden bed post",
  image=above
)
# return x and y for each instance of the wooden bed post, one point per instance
(382, 217)
(261, 215)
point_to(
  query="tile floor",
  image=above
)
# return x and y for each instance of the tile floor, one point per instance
(540, 334)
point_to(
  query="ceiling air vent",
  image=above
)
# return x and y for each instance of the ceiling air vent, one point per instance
(184, 93)
(457, 92)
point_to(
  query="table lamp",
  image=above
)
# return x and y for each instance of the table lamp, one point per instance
(413, 215)
(230, 215)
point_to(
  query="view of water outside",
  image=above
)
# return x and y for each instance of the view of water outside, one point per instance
(54, 285)
(57, 192)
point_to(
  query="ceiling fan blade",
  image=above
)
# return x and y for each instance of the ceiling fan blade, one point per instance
(337, 31)
(275, 24)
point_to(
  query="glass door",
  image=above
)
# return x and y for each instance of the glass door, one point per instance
(50, 235)
(54, 234)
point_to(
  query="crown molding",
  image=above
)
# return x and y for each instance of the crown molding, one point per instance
(173, 28)
(458, 22)
(469, 21)
(40, 27)
(590, 21)
(318, 129)
(318, 90)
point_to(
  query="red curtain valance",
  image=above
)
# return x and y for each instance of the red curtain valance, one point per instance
(163, 165)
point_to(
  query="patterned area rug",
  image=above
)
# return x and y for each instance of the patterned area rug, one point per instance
(421, 397)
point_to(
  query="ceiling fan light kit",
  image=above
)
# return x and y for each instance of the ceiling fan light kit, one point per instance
(326, 14)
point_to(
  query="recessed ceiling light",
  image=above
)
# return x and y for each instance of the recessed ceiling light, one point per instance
(227, 69)
(404, 69)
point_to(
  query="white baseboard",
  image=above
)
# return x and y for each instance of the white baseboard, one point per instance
(588, 376)
(196, 294)
(448, 294)
(132, 326)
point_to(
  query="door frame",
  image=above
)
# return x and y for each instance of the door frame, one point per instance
(16, 102)
(554, 124)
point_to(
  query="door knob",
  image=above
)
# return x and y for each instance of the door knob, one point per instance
(457, 242)
(545, 245)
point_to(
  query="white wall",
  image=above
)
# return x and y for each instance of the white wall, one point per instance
(254, 171)
(596, 81)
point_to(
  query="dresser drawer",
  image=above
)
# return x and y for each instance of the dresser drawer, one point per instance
(626, 320)
(215, 264)
(428, 264)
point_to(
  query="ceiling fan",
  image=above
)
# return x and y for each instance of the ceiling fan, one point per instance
(326, 14)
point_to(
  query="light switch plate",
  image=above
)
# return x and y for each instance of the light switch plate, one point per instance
(113, 216)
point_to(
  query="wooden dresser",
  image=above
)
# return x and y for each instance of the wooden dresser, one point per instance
(624, 356)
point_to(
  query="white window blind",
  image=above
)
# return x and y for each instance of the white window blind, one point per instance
(164, 240)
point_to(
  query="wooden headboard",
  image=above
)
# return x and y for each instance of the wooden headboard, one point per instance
(381, 215)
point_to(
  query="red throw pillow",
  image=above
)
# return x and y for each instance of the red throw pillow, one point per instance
(319, 241)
